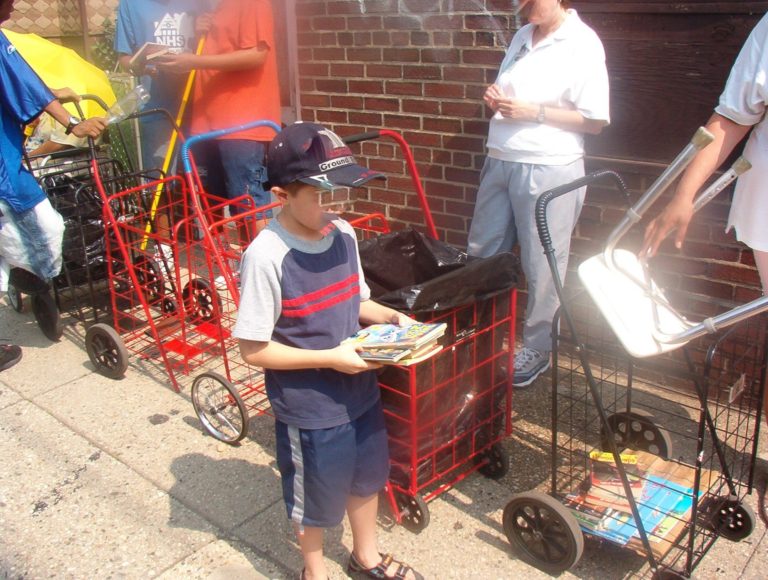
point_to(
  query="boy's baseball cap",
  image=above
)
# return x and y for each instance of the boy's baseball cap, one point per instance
(312, 154)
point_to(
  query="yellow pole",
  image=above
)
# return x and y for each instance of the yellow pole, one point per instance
(172, 145)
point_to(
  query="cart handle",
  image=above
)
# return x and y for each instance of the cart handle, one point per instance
(185, 159)
(413, 170)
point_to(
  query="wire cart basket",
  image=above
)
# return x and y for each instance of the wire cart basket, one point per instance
(656, 453)
(446, 415)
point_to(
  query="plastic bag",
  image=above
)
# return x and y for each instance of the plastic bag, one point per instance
(412, 272)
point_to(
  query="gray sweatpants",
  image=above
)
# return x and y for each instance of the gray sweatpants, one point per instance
(504, 215)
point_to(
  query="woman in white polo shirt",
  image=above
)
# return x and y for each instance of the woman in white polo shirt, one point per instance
(551, 89)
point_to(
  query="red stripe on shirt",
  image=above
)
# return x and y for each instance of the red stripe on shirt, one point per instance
(321, 305)
(318, 294)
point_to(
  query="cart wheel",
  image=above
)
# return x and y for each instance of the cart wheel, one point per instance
(219, 407)
(150, 277)
(15, 299)
(636, 430)
(414, 512)
(106, 350)
(495, 462)
(732, 519)
(47, 315)
(542, 532)
(169, 306)
(198, 299)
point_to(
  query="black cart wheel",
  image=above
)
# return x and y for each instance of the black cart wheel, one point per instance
(150, 278)
(636, 430)
(15, 298)
(219, 407)
(107, 351)
(495, 462)
(47, 315)
(198, 297)
(542, 532)
(169, 305)
(732, 519)
(414, 513)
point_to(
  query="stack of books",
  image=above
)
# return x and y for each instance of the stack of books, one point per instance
(401, 345)
(603, 509)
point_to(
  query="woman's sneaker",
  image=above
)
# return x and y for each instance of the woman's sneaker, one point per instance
(529, 364)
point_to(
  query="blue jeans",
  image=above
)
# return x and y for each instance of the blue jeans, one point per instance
(234, 167)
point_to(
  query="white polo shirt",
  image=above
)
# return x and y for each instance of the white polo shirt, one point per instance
(564, 70)
(744, 102)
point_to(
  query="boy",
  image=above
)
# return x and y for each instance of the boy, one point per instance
(302, 293)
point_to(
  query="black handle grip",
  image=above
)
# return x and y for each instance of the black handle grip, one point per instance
(357, 137)
(540, 212)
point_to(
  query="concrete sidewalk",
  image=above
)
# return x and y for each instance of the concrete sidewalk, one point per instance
(106, 478)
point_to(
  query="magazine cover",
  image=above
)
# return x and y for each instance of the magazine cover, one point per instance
(413, 336)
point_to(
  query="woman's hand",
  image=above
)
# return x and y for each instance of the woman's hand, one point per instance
(511, 108)
(491, 97)
(677, 215)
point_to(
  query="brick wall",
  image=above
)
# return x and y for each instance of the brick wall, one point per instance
(420, 67)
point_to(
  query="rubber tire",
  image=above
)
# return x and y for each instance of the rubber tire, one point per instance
(205, 410)
(552, 520)
(198, 296)
(644, 434)
(15, 298)
(150, 278)
(414, 513)
(106, 350)
(733, 520)
(47, 316)
(495, 462)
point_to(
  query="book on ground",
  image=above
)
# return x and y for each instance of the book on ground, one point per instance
(390, 336)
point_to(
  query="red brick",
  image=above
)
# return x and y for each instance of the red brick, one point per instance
(367, 86)
(468, 74)
(328, 23)
(404, 88)
(364, 55)
(422, 72)
(368, 120)
(365, 23)
(346, 102)
(442, 125)
(425, 107)
(325, 117)
(387, 71)
(328, 54)
(444, 90)
(344, 69)
(331, 85)
(381, 104)
(401, 55)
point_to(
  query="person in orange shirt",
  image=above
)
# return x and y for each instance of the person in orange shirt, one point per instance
(237, 82)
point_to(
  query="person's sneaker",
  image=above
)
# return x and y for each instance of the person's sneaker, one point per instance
(10, 354)
(529, 364)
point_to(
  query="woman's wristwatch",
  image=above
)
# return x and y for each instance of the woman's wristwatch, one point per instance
(73, 122)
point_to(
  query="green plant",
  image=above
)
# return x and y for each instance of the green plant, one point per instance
(103, 53)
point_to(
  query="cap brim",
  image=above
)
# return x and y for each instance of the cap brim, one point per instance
(348, 176)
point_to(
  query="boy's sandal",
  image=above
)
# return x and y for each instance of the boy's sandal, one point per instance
(380, 570)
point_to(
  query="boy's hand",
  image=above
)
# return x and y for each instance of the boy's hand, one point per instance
(203, 23)
(344, 358)
(92, 127)
(175, 63)
(401, 319)
(66, 95)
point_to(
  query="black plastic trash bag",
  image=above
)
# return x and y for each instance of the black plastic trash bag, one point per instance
(412, 272)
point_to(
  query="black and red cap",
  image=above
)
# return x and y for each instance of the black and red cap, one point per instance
(312, 154)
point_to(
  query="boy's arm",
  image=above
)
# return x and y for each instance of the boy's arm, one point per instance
(243, 59)
(372, 312)
(276, 356)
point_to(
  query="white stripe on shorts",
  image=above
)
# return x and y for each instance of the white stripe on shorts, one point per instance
(297, 513)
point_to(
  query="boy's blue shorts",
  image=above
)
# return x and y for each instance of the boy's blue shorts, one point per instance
(321, 468)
